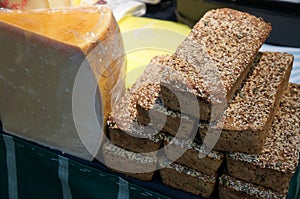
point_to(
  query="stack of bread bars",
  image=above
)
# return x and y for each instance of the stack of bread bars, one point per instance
(216, 81)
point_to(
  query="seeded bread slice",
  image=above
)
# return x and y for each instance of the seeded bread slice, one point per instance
(208, 165)
(150, 108)
(175, 121)
(278, 160)
(246, 121)
(232, 188)
(124, 129)
(221, 46)
(131, 164)
(189, 180)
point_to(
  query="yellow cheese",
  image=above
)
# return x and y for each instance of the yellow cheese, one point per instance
(34, 4)
(48, 59)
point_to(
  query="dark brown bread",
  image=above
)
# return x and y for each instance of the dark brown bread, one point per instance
(136, 144)
(232, 188)
(249, 115)
(149, 103)
(189, 180)
(124, 130)
(136, 165)
(175, 121)
(209, 164)
(221, 46)
(278, 160)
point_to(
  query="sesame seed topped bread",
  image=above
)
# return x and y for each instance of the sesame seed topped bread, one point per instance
(131, 140)
(216, 81)
(208, 164)
(124, 130)
(261, 89)
(232, 188)
(292, 95)
(131, 98)
(221, 46)
(278, 160)
(175, 120)
(136, 165)
(246, 121)
(151, 110)
(189, 180)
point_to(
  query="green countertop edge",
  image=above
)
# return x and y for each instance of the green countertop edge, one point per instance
(73, 165)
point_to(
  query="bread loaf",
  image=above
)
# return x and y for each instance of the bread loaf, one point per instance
(136, 165)
(249, 115)
(232, 188)
(124, 129)
(278, 160)
(189, 180)
(175, 121)
(208, 165)
(221, 46)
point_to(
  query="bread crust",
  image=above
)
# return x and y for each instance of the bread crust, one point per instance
(221, 46)
(232, 188)
(246, 121)
(189, 180)
(278, 160)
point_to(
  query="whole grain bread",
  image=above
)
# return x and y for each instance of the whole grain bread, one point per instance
(148, 106)
(124, 129)
(189, 180)
(221, 46)
(175, 121)
(278, 160)
(139, 139)
(136, 165)
(209, 164)
(232, 188)
(246, 121)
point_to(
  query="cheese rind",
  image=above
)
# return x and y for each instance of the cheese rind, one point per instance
(37, 4)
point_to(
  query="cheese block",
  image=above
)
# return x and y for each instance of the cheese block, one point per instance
(59, 73)
(35, 4)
